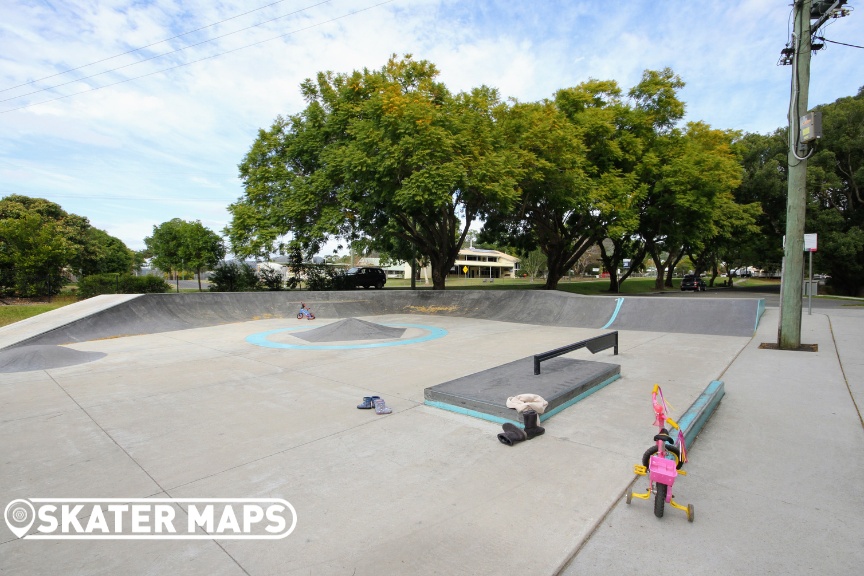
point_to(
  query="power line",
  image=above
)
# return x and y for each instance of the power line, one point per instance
(841, 43)
(200, 59)
(138, 198)
(65, 170)
(143, 47)
(159, 55)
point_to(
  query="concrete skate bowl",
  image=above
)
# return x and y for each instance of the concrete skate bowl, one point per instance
(154, 313)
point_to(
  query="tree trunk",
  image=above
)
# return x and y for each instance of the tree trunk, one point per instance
(555, 269)
(674, 258)
(660, 278)
(440, 268)
(198, 271)
(661, 274)
(610, 262)
(559, 260)
(551, 282)
(669, 272)
(661, 270)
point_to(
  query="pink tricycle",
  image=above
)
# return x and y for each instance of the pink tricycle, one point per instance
(662, 462)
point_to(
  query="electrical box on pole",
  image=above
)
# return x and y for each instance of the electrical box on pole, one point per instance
(811, 127)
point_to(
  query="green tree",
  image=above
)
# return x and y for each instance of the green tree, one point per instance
(697, 185)
(835, 184)
(33, 252)
(556, 206)
(74, 245)
(233, 277)
(139, 258)
(656, 111)
(763, 159)
(389, 154)
(180, 245)
(835, 195)
(165, 246)
(100, 253)
(613, 141)
(533, 263)
(201, 249)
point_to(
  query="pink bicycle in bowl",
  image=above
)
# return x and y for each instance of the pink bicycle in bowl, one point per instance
(662, 462)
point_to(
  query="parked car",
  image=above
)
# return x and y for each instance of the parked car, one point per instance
(693, 282)
(366, 277)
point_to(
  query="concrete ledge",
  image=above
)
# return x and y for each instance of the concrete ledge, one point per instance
(700, 411)
(484, 394)
(543, 417)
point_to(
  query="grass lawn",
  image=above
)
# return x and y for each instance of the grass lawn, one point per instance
(750, 282)
(577, 286)
(16, 312)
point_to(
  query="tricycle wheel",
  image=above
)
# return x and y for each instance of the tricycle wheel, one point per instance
(659, 499)
(646, 458)
(299, 316)
(691, 513)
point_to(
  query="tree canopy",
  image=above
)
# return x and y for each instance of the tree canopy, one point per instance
(393, 158)
(180, 245)
(40, 244)
(389, 154)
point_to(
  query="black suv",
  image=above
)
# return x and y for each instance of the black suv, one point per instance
(366, 277)
(692, 282)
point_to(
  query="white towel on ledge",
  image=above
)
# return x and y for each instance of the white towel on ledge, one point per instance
(522, 402)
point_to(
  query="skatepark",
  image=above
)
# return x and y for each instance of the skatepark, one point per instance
(219, 396)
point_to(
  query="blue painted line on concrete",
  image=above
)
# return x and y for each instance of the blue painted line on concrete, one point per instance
(592, 390)
(262, 339)
(500, 420)
(469, 412)
(700, 411)
(615, 313)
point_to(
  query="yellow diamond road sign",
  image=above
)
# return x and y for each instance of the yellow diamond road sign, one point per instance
(465, 269)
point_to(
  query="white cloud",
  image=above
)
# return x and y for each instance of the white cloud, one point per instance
(177, 135)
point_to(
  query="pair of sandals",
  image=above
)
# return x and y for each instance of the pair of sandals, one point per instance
(375, 402)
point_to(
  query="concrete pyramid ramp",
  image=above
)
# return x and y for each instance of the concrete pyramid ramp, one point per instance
(350, 329)
(43, 357)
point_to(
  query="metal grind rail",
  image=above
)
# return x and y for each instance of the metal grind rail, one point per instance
(595, 345)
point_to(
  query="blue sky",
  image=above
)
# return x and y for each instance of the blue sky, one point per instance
(143, 151)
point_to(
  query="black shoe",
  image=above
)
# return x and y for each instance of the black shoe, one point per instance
(532, 430)
(512, 434)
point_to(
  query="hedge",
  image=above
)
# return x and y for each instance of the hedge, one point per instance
(96, 284)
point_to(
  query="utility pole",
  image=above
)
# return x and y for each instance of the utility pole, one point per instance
(789, 330)
(797, 53)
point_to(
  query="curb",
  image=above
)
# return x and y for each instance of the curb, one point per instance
(692, 421)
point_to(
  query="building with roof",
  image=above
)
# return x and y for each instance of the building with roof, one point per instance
(470, 263)
(484, 263)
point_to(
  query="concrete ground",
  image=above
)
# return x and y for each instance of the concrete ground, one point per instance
(203, 413)
(776, 475)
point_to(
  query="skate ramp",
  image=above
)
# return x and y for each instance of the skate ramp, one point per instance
(154, 313)
(714, 316)
(43, 357)
(350, 329)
